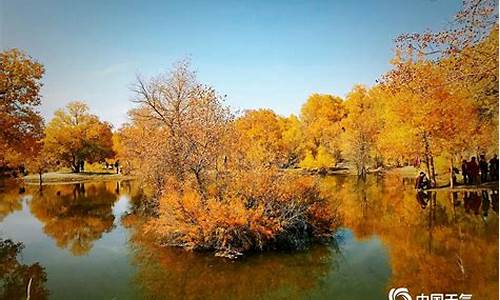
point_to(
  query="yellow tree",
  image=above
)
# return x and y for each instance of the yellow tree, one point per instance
(292, 139)
(361, 127)
(261, 137)
(438, 119)
(321, 116)
(20, 123)
(74, 135)
(465, 57)
(39, 160)
(187, 122)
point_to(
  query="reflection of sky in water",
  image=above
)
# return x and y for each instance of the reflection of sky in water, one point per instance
(361, 272)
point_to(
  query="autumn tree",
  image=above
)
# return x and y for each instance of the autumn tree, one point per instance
(454, 73)
(292, 139)
(440, 119)
(321, 116)
(361, 127)
(39, 161)
(467, 51)
(261, 136)
(20, 122)
(215, 181)
(75, 135)
(188, 121)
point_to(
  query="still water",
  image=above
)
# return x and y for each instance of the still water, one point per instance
(80, 243)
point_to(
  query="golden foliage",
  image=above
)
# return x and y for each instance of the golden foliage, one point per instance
(256, 210)
(321, 116)
(362, 126)
(21, 125)
(75, 135)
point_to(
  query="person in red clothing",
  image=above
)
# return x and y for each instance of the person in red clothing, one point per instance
(473, 170)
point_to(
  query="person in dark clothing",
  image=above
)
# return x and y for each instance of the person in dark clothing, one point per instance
(117, 166)
(483, 166)
(422, 182)
(473, 171)
(494, 168)
(465, 174)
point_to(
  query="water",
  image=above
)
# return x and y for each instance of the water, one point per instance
(85, 240)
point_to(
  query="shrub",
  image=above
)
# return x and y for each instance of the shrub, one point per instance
(256, 210)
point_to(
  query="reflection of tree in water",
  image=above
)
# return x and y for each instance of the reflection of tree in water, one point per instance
(75, 215)
(448, 245)
(16, 277)
(171, 273)
(10, 200)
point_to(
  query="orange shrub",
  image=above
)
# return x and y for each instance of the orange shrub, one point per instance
(255, 210)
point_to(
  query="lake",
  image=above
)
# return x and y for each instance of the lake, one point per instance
(79, 241)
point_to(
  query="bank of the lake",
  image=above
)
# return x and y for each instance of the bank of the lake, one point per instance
(68, 177)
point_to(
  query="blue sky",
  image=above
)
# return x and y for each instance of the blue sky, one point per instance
(260, 53)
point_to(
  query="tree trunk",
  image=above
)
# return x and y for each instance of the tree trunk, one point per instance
(40, 179)
(201, 186)
(451, 173)
(427, 164)
(433, 171)
(75, 166)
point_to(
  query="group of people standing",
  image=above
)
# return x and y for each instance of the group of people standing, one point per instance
(474, 172)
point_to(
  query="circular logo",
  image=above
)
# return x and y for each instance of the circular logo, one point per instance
(399, 293)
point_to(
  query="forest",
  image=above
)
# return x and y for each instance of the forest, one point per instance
(232, 182)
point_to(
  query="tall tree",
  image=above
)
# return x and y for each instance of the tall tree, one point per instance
(321, 116)
(361, 127)
(439, 119)
(74, 135)
(21, 125)
(189, 122)
(261, 136)
(455, 72)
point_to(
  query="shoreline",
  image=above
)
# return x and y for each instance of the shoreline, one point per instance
(487, 186)
(70, 178)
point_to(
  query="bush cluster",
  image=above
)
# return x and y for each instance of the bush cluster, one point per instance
(255, 210)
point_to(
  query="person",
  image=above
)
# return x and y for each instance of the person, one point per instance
(473, 171)
(465, 174)
(483, 166)
(494, 168)
(117, 165)
(454, 172)
(422, 182)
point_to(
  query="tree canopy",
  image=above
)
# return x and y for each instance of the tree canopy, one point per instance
(74, 135)
(21, 125)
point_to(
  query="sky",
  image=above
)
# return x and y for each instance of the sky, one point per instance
(261, 54)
